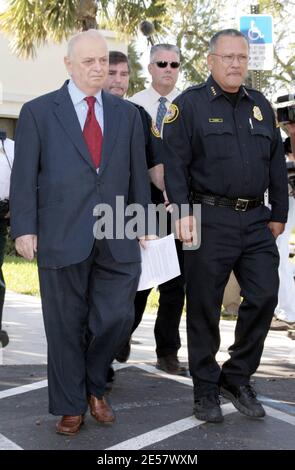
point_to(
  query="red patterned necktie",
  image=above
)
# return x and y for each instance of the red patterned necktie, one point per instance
(92, 132)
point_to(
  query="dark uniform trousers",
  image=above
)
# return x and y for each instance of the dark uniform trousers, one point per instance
(243, 242)
(171, 303)
(172, 293)
(227, 146)
(3, 233)
(93, 299)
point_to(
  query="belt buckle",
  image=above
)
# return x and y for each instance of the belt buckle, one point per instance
(242, 205)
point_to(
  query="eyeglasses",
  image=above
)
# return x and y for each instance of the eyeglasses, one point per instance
(229, 59)
(162, 64)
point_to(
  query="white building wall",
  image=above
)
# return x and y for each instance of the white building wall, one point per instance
(24, 79)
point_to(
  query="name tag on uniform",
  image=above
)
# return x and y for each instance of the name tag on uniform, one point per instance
(215, 119)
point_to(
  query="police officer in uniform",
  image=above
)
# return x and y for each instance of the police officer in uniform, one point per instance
(225, 150)
(164, 68)
(153, 105)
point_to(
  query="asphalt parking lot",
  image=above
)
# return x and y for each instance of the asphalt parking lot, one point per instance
(153, 409)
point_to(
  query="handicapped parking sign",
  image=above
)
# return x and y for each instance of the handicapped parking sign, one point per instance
(259, 31)
(257, 28)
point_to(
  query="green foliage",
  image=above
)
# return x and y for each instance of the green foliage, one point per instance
(194, 22)
(31, 23)
(128, 14)
(9, 247)
(189, 23)
(137, 81)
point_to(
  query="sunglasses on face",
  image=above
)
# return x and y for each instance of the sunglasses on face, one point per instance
(162, 64)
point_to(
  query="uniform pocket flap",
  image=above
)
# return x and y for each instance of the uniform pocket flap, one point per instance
(261, 130)
(218, 128)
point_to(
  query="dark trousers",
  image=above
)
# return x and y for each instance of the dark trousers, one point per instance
(230, 240)
(3, 233)
(95, 300)
(171, 303)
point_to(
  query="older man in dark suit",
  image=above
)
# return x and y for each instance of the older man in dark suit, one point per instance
(76, 148)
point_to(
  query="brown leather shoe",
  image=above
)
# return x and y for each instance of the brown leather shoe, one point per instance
(101, 410)
(171, 365)
(69, 425)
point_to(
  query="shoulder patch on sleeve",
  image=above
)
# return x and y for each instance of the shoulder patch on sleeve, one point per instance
(172, 113)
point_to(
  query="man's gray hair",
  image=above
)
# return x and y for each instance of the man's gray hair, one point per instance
(91, 33)
(163, 47)
(225, 32)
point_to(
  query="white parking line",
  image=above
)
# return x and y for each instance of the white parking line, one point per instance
(11, 392)
(154, 370)
(6, 444)
(280, 415)
(279, 405)
(152, 437)
(164, 432)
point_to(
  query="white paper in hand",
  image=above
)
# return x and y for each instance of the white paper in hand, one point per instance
(159, 262)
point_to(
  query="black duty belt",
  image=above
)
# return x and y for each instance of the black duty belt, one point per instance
(239, 204)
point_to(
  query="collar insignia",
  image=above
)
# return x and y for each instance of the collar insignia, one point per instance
(213, 91)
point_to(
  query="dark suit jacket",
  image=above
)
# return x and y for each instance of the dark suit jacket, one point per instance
(55, 187)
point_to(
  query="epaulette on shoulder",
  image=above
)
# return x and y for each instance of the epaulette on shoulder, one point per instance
(253, 90)
(193, 88)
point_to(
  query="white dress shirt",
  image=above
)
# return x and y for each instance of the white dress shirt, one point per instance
(149, 100)
(81, 107)
(5, 167)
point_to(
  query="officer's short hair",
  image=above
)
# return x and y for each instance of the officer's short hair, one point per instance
(225, 32)
(164, 47)
(117, 57)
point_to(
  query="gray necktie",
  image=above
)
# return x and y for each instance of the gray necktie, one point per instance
(162, 110)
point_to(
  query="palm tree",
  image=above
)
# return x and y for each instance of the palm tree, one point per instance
(31, 22)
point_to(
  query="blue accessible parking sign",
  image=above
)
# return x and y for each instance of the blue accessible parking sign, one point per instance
(259, 31)
(257, 28)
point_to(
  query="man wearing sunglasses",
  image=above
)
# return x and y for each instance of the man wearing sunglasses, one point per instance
(164, 68)
(224, 150)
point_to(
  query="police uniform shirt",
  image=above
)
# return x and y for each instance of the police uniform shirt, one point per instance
(225, 150)
(5, 170)
(149, 100)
